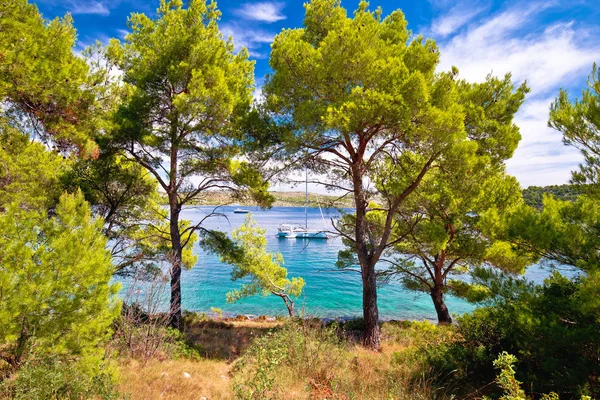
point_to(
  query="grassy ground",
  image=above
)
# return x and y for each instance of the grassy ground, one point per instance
(220, 343)
(321, 366)
(176, 379)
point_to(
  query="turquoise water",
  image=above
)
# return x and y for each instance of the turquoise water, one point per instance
(329, 292)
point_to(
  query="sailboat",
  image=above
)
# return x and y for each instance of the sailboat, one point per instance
(297, 231)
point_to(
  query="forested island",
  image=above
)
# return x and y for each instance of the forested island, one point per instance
(104, 150)
(534, 195)
(280, 199)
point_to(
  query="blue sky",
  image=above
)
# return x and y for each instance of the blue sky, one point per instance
(551, 44)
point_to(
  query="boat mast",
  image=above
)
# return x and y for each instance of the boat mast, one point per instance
(306, 205)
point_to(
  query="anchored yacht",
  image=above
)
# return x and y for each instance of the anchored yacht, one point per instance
(296, 231)
(292, 231)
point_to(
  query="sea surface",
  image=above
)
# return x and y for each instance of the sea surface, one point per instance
(329, 292)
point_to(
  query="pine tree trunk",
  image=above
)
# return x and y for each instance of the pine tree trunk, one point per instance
(437, 295)
(371, 337)
(175, 316)
(290, 306)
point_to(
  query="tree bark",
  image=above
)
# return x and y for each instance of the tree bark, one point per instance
(175, 316)
(371, 337)
(290, 307)
(437, 295)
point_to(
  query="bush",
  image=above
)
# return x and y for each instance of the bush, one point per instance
(142, 331)
(148, 340)
(305, 359)
(297, 350)
(423, 357)
(548, 327)
(57, 379)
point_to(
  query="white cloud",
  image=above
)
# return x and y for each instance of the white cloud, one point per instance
(554, 56)
(91, 7)
(456, 18)
(264, 12)
(545, 59)
(247, 37)
(541, 159)
(122, 32)
(258, 90)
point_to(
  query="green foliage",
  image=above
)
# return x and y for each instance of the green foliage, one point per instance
(55, 292)
(29, 174)
(218, 311)
(511, 386)
(579, 122)
(419, 337)
(266, 357)
(366, 105)
(551, 327)
(425, 347)
(264, 269)
(297, 349)
(44, 86)
(506, 378)
(125, 196)
(244, 174)
(443, 232)
(489, 110)
(58, 379)
(184, 91)
(565, 232)
(440, 230)
(183, 49)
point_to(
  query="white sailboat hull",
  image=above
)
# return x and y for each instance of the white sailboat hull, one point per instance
(293, 231)
(302, 234)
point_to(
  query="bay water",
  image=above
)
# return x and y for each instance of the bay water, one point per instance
(329, 292)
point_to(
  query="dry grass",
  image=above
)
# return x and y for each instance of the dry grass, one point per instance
(167, 380)
(226, 339)
(319, 368)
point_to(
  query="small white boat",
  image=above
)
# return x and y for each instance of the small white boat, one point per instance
(291, 231)
(240, 211)
(295, 231)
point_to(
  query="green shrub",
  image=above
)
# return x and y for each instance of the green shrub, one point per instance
(298, 350)
(57, 379)
(510, 386)
(549, 327)
(148, 340)
(261, 361)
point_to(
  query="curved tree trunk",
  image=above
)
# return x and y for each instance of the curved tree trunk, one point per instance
(437, 295)
(290, 307)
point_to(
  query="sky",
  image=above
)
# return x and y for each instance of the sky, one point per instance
(551, 44)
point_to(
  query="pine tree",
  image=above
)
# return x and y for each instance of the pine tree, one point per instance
(184, 92)
(56, 297)
(264, 269)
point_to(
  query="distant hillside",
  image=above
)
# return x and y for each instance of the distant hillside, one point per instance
(282, 199)
(533, 195)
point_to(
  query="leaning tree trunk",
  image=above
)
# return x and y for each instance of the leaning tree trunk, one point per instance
(289, 303)
(437, 295)
(175, 316)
